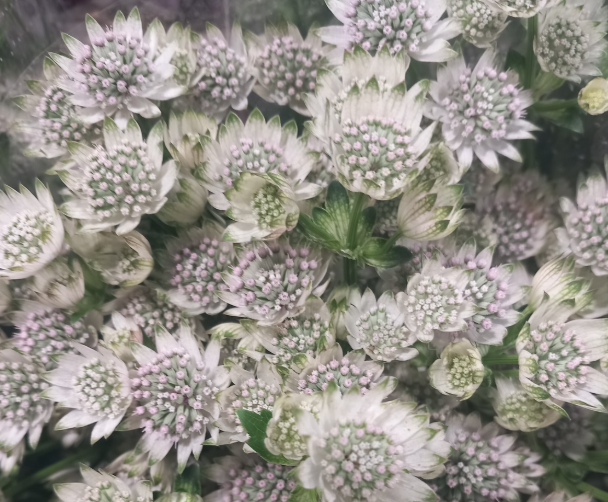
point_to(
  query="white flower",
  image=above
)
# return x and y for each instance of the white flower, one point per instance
(555, 356)
(516, 410)
(570, 41)
(570, 436)
(239, 347)
(376, 142)
(95, 383)
(54, 119)
(481, 23)
(377, 327)
(441, 166)
(186, 201)
(183, 416)
(181, 42)
(429, 210)
(519, 8)
(60, 284)
(122, 260)
(225, 72)
(258, 147)
(559, 281)
(22, 407)
(413, 26)
(434, 301)
(593, 98)
(118, 335)
(102, 486)
(268, 481)
(116, 184)
(286, 65)
(263, 207)
(182, 136)
(584, 232)
(272, 281)
(358, 68)
(485, 464)
(481, 109)
(363, 449)
(10, 460)
(193, 264)
(252, 391)
(561, 497)
(31, 231)
(119, 73)
(459, 370)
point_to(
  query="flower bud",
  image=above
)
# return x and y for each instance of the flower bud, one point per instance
(459, 370)
(593, 98)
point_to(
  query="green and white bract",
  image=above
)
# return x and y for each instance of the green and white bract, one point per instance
(519, 8)
(459, 370)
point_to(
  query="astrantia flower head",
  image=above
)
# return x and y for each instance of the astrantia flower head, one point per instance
(60, 284)
(481, 109)
(345, 370)
(556, 281)
(434, 301)
(102, 486)
(96, 384)
(571, 436)
(376, 142)
(441, 165)
(186, 201)
(118, 335)
(519, 8)
(459, 370)
(248, 478)
(43, 332)
(184, 58)
(363, 449)
(257, 147)
(263, 207)
(116, 184)
(593, 98)
(378, 327)
(122, 260)
(429, 210)
(120, 72)
(570, 41)
(31, 231)
(238, 345)
(175, 393)
(182, 136)
(225, 72)
(516, 410)
(272, 281)
(555, 356)
(252, 391)
(484, 464)
(480, 22)
(413, 26)
(193, 264)
(54, 119)
(23, 410)
(585, 232)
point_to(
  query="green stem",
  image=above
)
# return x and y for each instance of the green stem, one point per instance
(531, 64)
(350, 266)
(350, 271)
(497, 359)
(555, 105)
(593, 491)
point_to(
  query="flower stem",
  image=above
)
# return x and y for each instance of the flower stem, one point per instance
(593, 491)
(555, 105)
(498, 359)
(350, 266)
(531, 64)
(350, 271)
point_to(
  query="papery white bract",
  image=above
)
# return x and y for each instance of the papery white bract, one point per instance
(481, 23)
(556, 281)
(182, 43)
(60, 284)
(118, 335)
(459, 370)
(519, 8)
(182, 136)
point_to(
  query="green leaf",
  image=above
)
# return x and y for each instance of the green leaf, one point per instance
(301, 494)
(561, 112)
(189, 481)
(255, 425)
(375, 253)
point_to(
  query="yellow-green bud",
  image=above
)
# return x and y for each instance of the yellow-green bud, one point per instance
(593, 98)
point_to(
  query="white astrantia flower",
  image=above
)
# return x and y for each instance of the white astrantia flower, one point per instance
(584, 233)
(357, 69)
(434, 301)
(102, 486)
(441, 165)
(252, 391)
(31, 231)
(132, 467)
(10, 460)
(346, 370)
(516, 410)
(224, 77)
(287, 65)
(337, 303)
(376, 141)
(44, 332)
(186, 201)
(182, 136)
(282, 435)
(558, 280)
(119, 73)
(183, 416)
(481, 23)
(122, 260)
(429, 210)
(60, 284)
(248, 478)
(54, 120)
(322, 172)
(116, 184)
(485, 464)
(570, 436)
(192, 268)
(118, 335)
(256, 147)
(263, 207)
(555, 356)
(378, 327)
(481, 110)
(458, 371)
(519, 8)
(238, 345)
(363, 449)
(570, 40)
(272, 281)
(23, 410)
(412, 25)
(95, 383)
(561, 497)
(182, 42)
